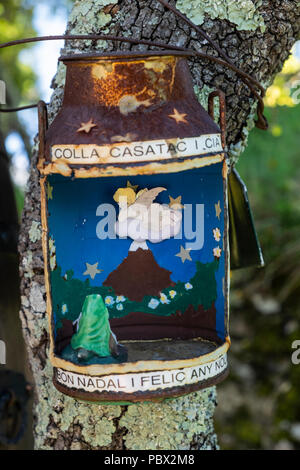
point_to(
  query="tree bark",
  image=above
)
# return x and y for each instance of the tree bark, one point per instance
(257, 36)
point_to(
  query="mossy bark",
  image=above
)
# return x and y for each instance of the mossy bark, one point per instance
(258, 37)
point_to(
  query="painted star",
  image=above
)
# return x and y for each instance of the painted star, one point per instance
(217, 234)
(218, 210)
(49, 191)
(92, 270)
(86, 126)
(184, 254)
(217, 252)
(178, 117)
(176, 202)
(132, 186)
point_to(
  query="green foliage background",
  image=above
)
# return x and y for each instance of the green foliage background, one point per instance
(16, 23)
(259, 405)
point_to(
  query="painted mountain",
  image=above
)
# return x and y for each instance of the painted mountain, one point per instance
(138, 276)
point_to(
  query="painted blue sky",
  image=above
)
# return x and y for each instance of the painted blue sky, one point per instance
(73, 222)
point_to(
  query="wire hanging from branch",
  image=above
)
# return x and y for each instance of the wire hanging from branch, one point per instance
(248, 80)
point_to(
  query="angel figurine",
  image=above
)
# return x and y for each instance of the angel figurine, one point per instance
(142, 219)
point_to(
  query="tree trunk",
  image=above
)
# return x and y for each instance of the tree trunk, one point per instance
(257, 35)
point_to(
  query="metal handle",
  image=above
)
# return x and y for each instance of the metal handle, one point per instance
(43, 126)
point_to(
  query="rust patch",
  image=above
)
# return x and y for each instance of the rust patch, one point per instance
(224, 170)
(157, 66)
(129, 104)
(148, 169)
(57, 167)
(114, 81)
(129, 137)
(102, 71)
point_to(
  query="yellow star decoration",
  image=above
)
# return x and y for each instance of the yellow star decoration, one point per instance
(132, 186)
(92, 270)
(217, 252)
(218, 210)
(49, 191)
(217, 234)
(176, 202)
(178, 117)
(184, 254)
(86, 126)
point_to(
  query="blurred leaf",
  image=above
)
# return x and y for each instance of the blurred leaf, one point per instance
(280, 93)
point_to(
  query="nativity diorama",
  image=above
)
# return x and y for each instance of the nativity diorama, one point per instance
(135, 232)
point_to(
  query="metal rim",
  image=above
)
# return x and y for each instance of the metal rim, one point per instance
(123, 55)
(151, 396)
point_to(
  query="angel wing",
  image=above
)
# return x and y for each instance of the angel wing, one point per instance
(148, 196)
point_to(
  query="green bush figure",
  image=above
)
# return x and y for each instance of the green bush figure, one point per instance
(94, 335)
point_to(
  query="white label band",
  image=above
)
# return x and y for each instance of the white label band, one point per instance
(126, 152)
(145, 381)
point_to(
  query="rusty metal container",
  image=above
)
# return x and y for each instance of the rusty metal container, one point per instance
(135, 230)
